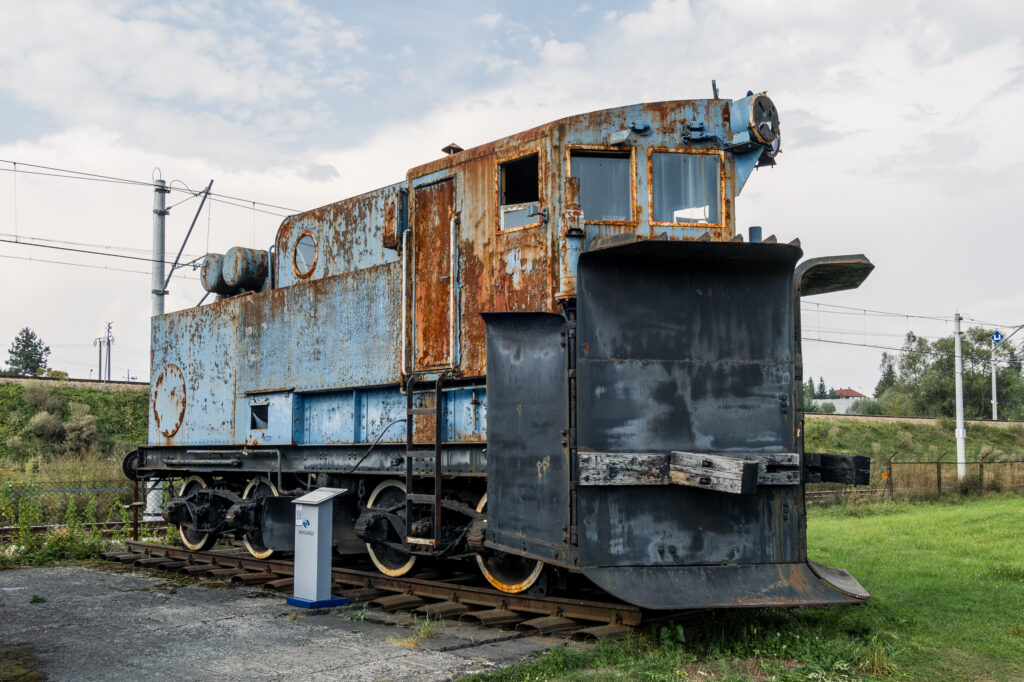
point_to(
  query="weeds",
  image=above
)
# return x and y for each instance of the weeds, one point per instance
(359, 615)
(77, 539)
(408, 642)
(36, 599)
(428, 628)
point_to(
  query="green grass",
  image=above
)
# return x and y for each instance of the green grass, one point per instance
(911, 441)
(947, 584)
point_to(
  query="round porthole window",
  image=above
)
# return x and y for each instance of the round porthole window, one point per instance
(305, 255)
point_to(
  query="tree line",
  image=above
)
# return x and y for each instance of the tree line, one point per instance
(28, 355)
(919, 379)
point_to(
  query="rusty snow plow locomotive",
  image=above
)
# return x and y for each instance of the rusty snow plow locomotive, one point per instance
(551, 356)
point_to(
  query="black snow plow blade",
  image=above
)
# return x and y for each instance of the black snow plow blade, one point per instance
(738, 586)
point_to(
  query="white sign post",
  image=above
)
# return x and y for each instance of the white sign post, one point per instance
(996, 338)
(314, 520)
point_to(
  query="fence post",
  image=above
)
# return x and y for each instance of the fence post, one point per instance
(135, 511)
(891, 482)
(938, 476)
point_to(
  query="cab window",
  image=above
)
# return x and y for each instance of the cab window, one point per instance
(606, 184)
(686, 188)
(520, 192)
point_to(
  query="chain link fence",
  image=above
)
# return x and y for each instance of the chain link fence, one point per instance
(109, 504)
(923, 480)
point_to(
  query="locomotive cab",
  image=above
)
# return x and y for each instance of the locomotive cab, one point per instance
(551, 352)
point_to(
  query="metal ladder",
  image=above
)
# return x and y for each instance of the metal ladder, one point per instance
(412, 450)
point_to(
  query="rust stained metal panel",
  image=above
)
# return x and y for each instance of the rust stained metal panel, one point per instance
(475, 245)
(201, 343)
(349, 235)
(434, 207)
(334, 332)
(522, 271)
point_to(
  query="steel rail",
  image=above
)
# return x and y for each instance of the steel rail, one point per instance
(240, 565)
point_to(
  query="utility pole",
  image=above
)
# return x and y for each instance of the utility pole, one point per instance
(961, 432)
(99, 344)
(159, 213)
(104, 341)
(110, 341)
(995, 395)
(155, 496)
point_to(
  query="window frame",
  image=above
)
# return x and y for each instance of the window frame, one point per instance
(498, 175)
(633, 208)
(295, 252)
(721, 185)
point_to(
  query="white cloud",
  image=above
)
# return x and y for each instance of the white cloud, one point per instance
(491, 20)
(661, 18)
(557, 53)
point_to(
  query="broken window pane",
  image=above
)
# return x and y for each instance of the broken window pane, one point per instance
(685, 188)
(606, 184)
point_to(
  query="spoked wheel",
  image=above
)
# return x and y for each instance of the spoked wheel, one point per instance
(507, 572)
(389, 495)
(192, 539)
(258, 487)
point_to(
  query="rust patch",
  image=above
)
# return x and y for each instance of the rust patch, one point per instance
(432, 248)
(169, 400)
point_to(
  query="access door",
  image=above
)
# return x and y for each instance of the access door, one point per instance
(433, 275)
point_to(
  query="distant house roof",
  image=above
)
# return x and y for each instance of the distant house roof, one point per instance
(849, 393)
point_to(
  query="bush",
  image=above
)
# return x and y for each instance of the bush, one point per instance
(46, 427)
(971, 485)
(41, 400)
(81, 433)
(827, 408)
(866, 407)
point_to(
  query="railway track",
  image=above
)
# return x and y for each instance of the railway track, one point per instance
(451, 597)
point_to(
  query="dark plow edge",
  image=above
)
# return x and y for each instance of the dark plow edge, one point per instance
(661, 588)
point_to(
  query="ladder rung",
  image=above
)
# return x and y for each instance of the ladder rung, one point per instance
(417, 498)
(420, 410)
(421, 452)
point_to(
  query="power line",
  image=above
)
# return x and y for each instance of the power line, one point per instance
(94, 253)
(86, 265)
(22, 240)
(83, 175)
(932, 353)
(882, 313)
(858, 332)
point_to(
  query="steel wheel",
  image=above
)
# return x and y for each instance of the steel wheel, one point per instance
(192, 539)
(388, 560)
(257, 488)
(507, 572)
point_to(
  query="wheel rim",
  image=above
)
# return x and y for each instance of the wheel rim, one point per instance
(257, 488)
(388, 560)
(507, 572)
(192, 539)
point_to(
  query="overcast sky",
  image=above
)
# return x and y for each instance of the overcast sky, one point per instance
(900, 125)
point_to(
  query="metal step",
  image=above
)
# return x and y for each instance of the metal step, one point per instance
(417, 498)
(420, 410)
(429, 542)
